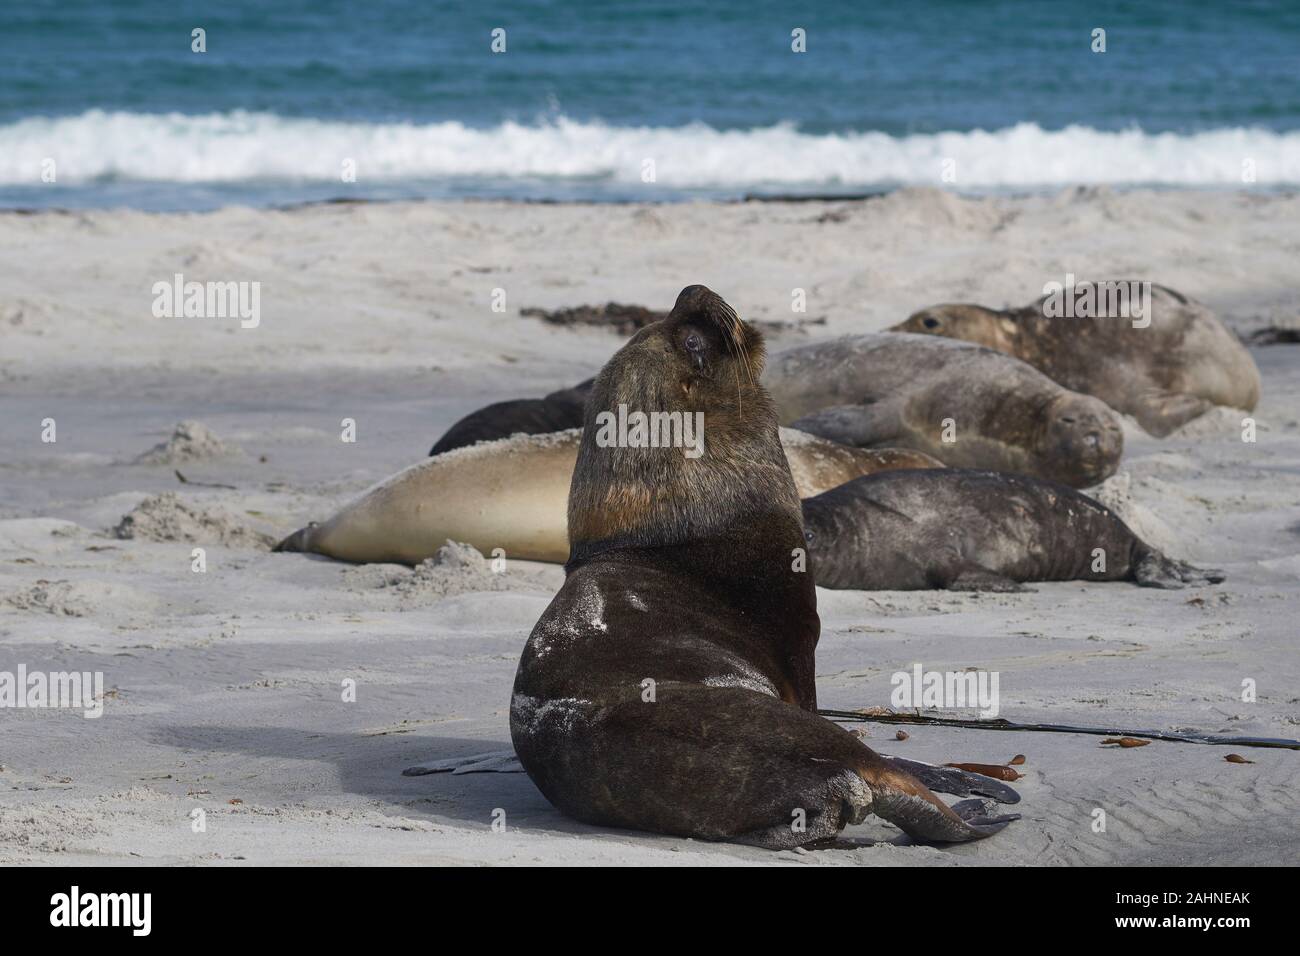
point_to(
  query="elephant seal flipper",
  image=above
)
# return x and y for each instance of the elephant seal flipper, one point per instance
(670, 685)
(1155, 570)
(299, 541)
(1163, 413)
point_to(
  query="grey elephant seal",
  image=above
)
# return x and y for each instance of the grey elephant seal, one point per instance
(513, 494)
(918, 391)
(975, 530)
(1164, 369)
(669, 686)
(558, 411)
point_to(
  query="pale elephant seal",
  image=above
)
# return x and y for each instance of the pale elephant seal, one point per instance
(976, 531)
(669, 686)
(919, 391)
(1164, 368)
(512, 494)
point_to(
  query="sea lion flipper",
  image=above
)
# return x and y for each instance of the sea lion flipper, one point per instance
(960, 783)
(861, 425)
(904, 801)
(978, 814)
(494, 761)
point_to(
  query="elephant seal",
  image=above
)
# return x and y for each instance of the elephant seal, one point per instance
(919, 391)
(669, 686)
(1164, 368)
(558, 411)
(512, 494)
(971, 530)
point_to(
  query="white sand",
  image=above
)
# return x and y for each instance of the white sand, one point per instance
(224, 688)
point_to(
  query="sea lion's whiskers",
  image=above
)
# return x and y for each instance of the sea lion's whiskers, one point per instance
(740, 402)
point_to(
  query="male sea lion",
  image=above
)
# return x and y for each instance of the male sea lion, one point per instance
(975, 531)
(1164, 368)
(512, 494)
(916, 391)
(669, 686)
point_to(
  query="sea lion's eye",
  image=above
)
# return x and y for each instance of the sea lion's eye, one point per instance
(696, 348)
(808, 535)
(930, 322)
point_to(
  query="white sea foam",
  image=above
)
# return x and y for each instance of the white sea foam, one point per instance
(243, 147)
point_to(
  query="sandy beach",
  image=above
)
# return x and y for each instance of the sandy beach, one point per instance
(224, 689)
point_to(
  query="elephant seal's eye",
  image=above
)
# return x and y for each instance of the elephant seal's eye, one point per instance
(930, 322)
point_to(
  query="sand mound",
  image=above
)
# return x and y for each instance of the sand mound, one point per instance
(456, 569)
(29, 535)
(190, 441)
(80, 598)
(1116, 493)
(1218, 422)
(925, 206)
(166, 517)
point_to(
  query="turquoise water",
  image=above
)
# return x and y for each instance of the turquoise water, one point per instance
(586, 93)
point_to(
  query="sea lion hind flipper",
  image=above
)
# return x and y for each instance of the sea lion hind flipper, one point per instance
(982, 815)
(1156, 570)
(904, 801)
(494, 761)
(959, 783)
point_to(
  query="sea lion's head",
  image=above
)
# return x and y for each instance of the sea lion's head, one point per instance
(680, 441)
(1081, 440)
(970, 323)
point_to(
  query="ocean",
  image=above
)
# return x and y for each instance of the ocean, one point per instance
(108, 104)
